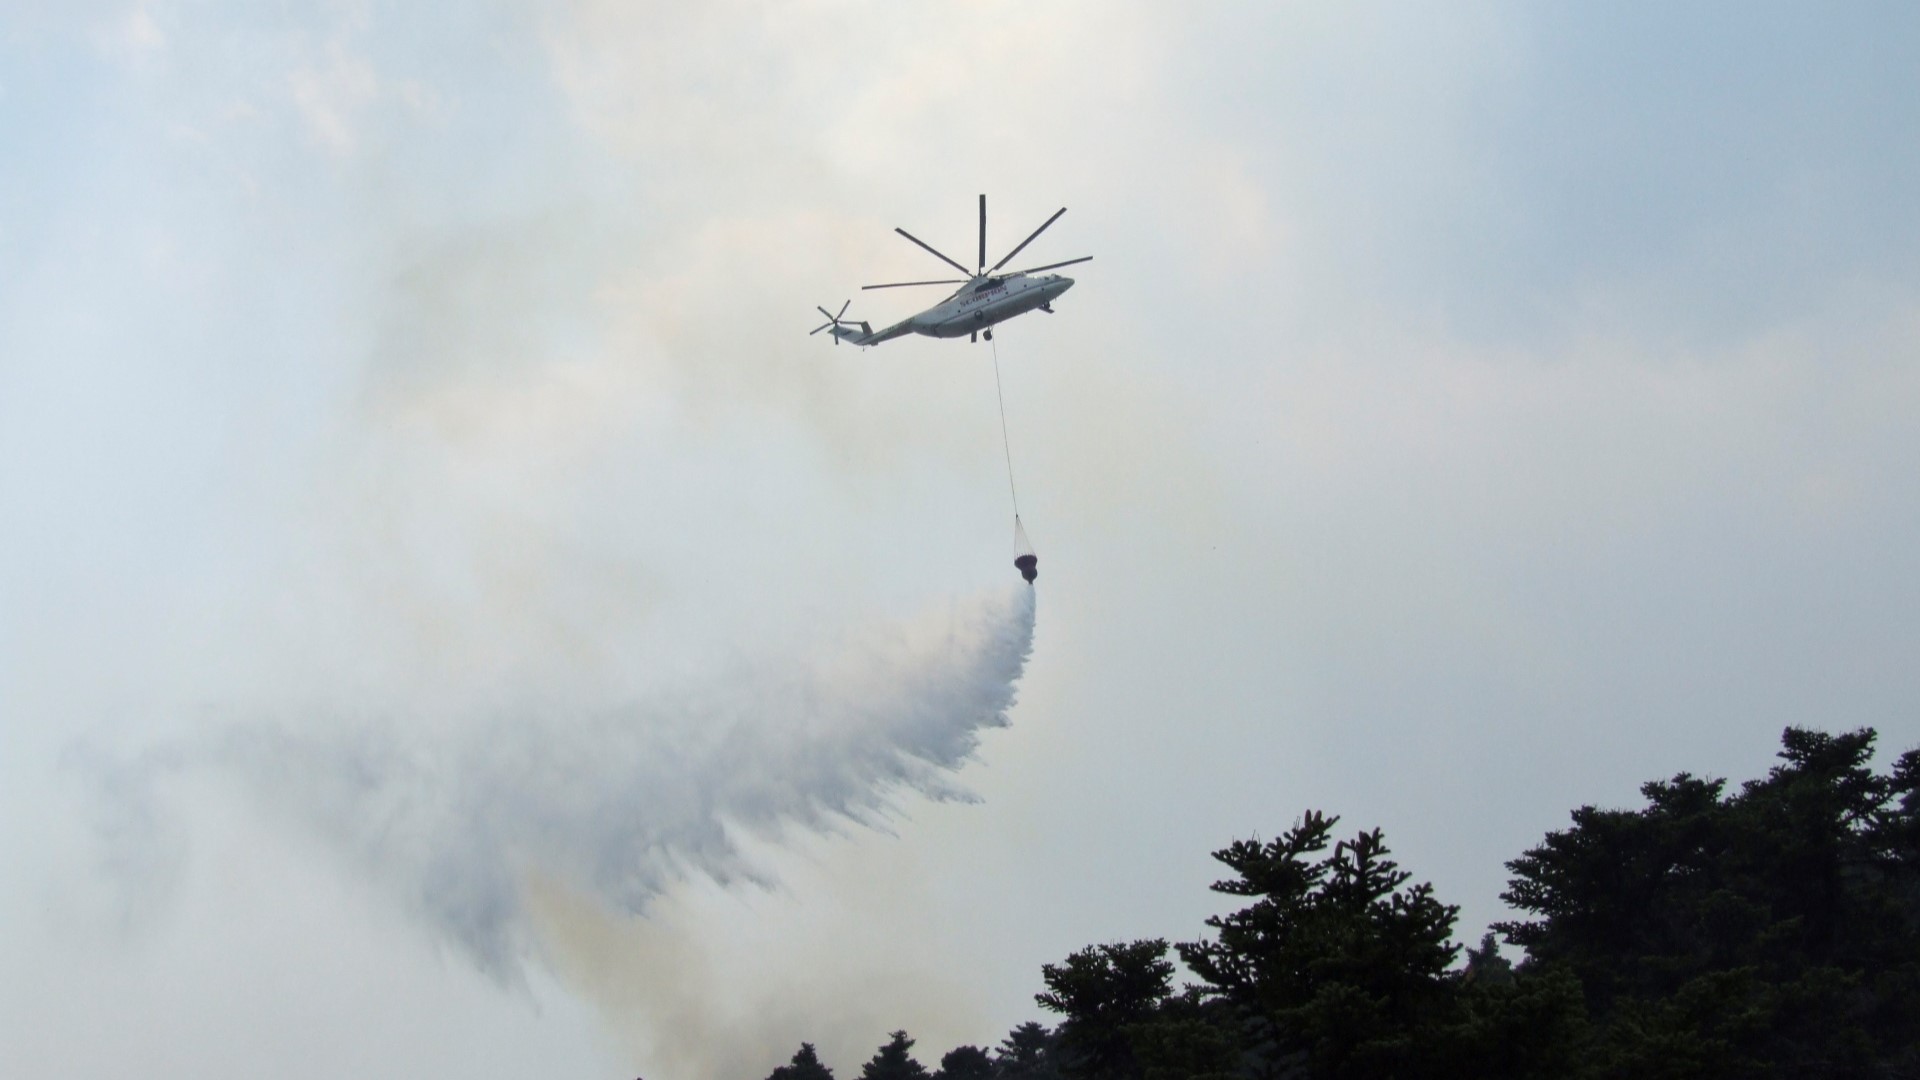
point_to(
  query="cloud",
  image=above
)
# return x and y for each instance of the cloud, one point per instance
(330, 93)
(135, 37)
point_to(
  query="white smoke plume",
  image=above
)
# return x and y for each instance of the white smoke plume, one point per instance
(618, 804)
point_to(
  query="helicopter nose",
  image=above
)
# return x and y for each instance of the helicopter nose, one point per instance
(1064, 283)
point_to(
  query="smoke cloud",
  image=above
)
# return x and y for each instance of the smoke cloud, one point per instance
(465, 823)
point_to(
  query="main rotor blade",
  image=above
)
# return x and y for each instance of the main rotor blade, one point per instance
(1050, 266)
(983, 231)
(904, 284)
(936, 254)
(1024, 243)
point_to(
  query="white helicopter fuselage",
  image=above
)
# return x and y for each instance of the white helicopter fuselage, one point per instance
(975, 306)
(978, 305)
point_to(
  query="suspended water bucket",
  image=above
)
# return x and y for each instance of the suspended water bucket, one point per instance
(1023, 557)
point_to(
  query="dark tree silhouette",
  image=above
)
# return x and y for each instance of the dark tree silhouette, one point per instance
(804, 1066)
(1191, 1037)
(1337, 964)
(1103, 992)
(894, 1061)
(1773, 932)
(1485, 965)
(964, 1063)
(1027, 1053)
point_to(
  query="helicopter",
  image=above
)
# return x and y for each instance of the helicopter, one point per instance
(985, 297)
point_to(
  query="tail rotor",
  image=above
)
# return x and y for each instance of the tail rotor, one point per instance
(833, 321)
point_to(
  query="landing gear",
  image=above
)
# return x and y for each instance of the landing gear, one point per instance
(988, 334)
(1048, 308)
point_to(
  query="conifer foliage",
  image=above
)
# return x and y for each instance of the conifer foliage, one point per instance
(965, 1063)
(1775, 931)
(1769, 932)
(894, 1061)
(804, 1066)
(1104, 993)
(1336, 963)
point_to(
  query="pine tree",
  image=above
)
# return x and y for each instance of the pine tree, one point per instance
(1774, 931)
(1485, 965)
(1337, 965)
(894, 1061)
(1104, 992)
(1027, 1053)
(964, 1063)
(804, 1066)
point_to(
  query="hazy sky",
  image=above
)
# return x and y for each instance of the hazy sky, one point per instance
(430, 534)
